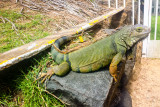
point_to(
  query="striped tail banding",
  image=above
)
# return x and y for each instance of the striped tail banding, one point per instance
(57, 56)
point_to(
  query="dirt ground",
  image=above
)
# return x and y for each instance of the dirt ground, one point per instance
(144, 85)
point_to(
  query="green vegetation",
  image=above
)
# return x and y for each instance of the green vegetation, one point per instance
(28, 91)
(92, 0)
(17, 29)
(33, 92)
(153, 28)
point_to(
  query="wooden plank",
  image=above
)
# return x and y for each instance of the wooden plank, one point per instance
(28, 50)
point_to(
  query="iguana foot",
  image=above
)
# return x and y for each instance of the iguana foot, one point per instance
(47, 75)
(115, 78)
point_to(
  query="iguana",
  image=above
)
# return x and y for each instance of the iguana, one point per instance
(107, 51)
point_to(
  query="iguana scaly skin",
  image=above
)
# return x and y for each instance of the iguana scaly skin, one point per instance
(108, 51)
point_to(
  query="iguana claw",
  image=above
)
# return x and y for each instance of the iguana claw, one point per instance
(46, 75)
(115, 78)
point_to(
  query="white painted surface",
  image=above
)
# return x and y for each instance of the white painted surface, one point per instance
(155, 33)
(109, 3)
(124, 3)
(31, 46)
(116, 4)
(132, 12)
(139, 11)
(150, 16)
(151, 48)
(145, 22)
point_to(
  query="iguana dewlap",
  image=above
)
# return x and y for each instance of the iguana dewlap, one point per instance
(108, 51)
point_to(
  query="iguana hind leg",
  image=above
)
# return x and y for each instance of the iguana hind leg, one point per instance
(113, 66)
(59, 70)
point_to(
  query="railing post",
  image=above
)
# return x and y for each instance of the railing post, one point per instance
(109, 5)
(132, 12)
(116, 4)
(124, 3)
(155, 32)
(150, 17)
(139, 11)
(146, 23)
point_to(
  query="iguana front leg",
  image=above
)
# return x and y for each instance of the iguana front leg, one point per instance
(113, 66)
(59, 70)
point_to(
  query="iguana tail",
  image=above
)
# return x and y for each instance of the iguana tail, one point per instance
(56, 55)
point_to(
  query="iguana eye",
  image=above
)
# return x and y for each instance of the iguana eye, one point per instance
(139, 29)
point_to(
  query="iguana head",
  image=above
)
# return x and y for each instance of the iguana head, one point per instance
(136, 33)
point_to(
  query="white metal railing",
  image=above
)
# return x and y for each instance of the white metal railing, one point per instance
(155, 32)
(150, 14)
(147, 21)
(116, 4)
(109, 3)
(139, 4)
(147, 13)
(124, 3)
(133, 12)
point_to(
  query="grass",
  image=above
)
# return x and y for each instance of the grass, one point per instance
(28, 92)
(153, 28)
(23, 91)
(29, 28)
(33, 92)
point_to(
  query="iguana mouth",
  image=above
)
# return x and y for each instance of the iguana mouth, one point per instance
(144, 33)
(148, 30)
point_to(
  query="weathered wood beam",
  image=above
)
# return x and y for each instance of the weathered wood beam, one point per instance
(28, 50)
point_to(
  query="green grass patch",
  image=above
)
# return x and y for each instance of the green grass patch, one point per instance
(28, 92)
(28, 28)
(153, 28)
(33, 91)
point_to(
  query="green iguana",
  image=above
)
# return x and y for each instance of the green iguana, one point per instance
(109, 50)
